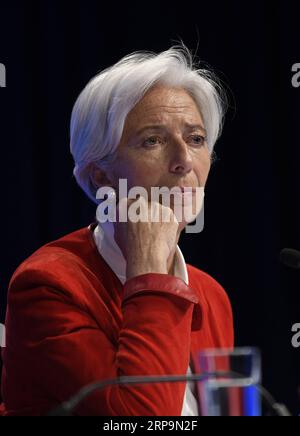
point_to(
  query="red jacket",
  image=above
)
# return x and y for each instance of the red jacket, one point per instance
(71, 322)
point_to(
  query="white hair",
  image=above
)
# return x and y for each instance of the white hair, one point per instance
(100, 111)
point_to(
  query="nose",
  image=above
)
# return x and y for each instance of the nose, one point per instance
(181, 160)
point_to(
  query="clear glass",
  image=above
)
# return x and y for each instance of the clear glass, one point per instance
(230, 380)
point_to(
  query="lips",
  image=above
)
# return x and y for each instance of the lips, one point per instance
(187, 201)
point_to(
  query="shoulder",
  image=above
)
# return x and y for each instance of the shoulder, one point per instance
(62, 283)
(216, 306)
(58, 264)
(202, 278)
(209, 289)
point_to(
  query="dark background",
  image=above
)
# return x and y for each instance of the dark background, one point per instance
(51, 49)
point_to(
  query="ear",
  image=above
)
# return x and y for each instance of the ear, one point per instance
(99, 177)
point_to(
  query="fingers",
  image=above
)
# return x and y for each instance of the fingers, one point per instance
(135, 210)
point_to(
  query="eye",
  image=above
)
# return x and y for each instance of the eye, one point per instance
(198, 139)
(152, 140)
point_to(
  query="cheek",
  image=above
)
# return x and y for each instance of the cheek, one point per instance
(202, 169)
(137, 172)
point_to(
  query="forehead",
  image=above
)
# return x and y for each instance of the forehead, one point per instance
(162, 103)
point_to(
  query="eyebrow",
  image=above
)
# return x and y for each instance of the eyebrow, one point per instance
(163, 126)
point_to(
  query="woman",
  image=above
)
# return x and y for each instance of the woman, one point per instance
(117, 298)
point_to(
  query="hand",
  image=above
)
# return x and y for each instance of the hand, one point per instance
(147, 246)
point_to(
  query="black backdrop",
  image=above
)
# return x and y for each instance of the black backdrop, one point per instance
(51, 49)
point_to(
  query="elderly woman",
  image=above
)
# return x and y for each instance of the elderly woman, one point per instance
(117, 299)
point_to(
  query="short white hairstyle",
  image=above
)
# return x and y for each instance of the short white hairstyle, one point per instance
(100, 111)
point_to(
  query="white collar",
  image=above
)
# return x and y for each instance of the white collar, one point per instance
(111, 253)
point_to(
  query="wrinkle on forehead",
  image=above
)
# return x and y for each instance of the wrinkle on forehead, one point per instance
(161, 101)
